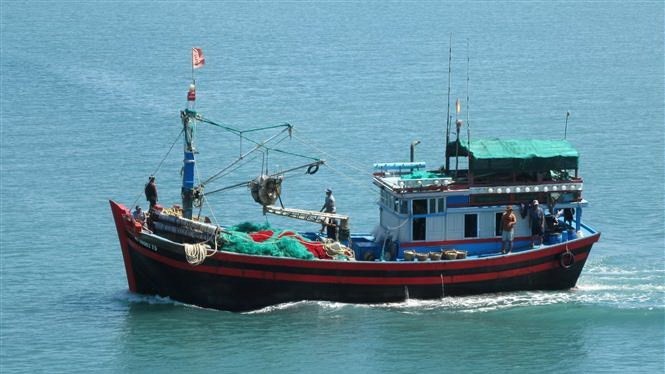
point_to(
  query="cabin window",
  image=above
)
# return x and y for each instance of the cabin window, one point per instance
(420, 206)
(419, 231)
(386, 199)
(440, 204)
(470, 225)
(432, 206)
(497, 224)
(404, 206)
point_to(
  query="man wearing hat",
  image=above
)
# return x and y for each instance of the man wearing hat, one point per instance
(151, 191)
(329, 207)
(537, 218)
(508, 221)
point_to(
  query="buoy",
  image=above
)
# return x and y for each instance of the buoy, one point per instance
(566, 259)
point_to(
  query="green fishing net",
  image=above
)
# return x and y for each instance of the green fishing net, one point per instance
(236, 239)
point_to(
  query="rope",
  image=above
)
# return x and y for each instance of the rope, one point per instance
(257, 147)
(397, 227)
(311, 144)
(138, 196)
(336, 250)
(349, 178)
(197, 253)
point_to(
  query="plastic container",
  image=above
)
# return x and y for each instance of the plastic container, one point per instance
(554, 238)
(572, 234)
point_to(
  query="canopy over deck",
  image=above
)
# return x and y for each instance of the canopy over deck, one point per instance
(499, 155)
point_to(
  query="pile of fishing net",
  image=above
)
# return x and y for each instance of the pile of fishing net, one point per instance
(261, 239)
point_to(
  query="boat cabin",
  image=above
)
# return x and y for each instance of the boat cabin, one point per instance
(460, 207)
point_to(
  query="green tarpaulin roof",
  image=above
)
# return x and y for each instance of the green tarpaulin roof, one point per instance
(518, 155)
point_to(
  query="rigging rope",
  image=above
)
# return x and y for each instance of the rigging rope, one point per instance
(349, 178)
(160, 163)
(310, 144)
(257, 147)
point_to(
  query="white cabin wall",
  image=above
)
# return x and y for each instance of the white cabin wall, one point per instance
(487, 224)
(392, 222)
(522, 227)
(455, 226)
(436, 228)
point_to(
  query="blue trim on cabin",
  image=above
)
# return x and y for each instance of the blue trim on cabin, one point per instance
(457, 201)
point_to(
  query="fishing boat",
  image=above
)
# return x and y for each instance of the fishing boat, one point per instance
(438, 231)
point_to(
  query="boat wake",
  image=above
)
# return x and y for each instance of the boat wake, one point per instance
(134, 298)
(637, 296)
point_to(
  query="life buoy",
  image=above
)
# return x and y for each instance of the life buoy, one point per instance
(566, 259)
(312, 169)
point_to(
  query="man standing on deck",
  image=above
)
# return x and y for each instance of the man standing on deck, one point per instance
(151, 191)
(329, 207)
(508, 221)
(537, 218)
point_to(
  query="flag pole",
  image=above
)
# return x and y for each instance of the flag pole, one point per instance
(192, 62)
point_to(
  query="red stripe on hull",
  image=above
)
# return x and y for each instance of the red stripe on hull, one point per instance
(406, 266)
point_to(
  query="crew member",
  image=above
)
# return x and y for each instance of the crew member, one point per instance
(138, 214)
(508, 221)
(329, 207)
(537, 219)
(151, 191)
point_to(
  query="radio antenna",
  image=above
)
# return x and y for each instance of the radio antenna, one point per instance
(450, 54)
(468, 127)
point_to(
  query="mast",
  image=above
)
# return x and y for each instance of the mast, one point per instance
(188, 117)
(189, 163)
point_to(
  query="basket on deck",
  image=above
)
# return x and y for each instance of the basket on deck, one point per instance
(450, 254)
(435, 256)
(409, 255)
(422, 256)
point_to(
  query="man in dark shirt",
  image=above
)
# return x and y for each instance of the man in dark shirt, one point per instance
(151, 192)
(537, 218)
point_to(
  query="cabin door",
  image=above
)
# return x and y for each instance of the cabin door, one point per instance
(419, 223)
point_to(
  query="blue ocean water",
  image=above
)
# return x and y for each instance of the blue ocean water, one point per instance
(90, 94)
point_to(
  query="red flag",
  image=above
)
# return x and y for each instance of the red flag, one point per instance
(197, 58)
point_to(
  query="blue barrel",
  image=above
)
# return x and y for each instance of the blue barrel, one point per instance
(554, 238)
(564, 236)
(572, 234)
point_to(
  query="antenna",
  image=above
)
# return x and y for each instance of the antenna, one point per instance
(565, 131)
(458, 125)
(450, 54)
(468, 128)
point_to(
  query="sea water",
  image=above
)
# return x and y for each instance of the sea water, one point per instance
(90, 100)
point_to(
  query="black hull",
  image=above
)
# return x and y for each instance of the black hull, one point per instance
(237, 282)
(244, 294)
